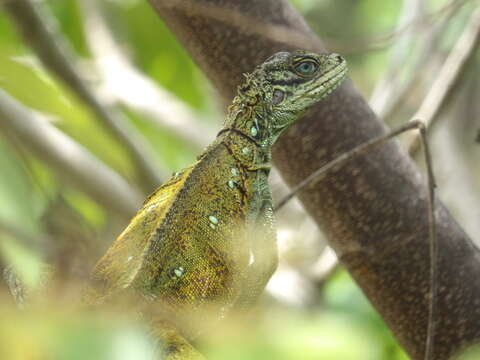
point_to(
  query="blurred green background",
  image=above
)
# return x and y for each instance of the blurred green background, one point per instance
(44, 218)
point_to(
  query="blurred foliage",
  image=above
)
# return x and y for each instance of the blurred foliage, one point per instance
(472, 353)
(41, 334)
(43, 218)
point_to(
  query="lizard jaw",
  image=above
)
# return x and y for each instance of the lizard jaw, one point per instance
(333, 79)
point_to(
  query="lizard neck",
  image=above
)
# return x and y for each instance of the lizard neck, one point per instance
(245, 132)
(249, 112)
(251, 154)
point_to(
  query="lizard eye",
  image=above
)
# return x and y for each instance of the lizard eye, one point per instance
(306, 67)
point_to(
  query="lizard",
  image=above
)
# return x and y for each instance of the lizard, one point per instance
(204, 243)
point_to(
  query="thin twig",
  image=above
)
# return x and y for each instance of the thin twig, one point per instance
(38, 29)
(69, 159)
(412, 10)
(428, 45)
(129, 86)
(448, 77)
(433, 246)
(343, 158)
(381, 41)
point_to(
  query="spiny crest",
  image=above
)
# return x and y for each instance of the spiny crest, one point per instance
(249, 94)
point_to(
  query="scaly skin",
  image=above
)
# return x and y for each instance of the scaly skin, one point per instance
(204, 242)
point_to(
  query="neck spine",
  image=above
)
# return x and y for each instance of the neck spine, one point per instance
(248, 112)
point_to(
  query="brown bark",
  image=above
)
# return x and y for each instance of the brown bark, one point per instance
(374, 209)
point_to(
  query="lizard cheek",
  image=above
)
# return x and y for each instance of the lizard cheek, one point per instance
(278, 96)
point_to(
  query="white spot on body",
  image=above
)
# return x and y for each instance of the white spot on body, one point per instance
(151, 297)
(213, 219)
(178, 271)
(251, 259)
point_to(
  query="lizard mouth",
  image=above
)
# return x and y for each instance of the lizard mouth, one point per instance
(329, 81)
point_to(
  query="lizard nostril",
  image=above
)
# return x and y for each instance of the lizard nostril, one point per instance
(338, 58)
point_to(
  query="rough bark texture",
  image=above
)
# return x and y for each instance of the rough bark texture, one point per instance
(373, 210)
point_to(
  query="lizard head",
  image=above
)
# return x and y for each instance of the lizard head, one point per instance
(282, 89)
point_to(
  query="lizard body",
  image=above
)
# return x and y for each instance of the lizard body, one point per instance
(204, 242)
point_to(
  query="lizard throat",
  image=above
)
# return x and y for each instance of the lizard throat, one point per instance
(241, 133)
(249, 152)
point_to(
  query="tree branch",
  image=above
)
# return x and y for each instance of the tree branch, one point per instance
(374, 210)
(381, 41)
(38, 30)
(68, 159)
(132, 88)
(412, 10)
(448, 77)
(428, 45)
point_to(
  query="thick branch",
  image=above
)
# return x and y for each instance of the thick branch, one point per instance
(374, 210)
(38, 30)
(67, 158)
